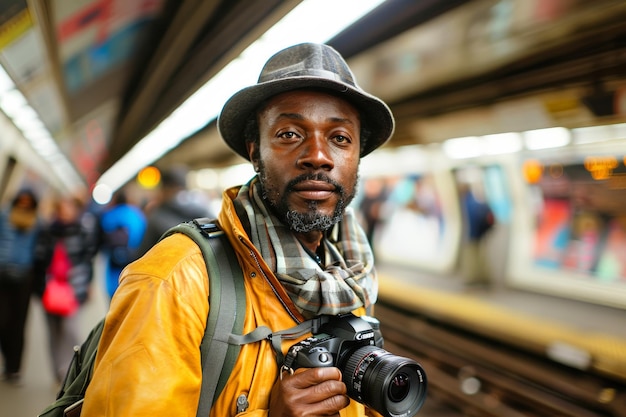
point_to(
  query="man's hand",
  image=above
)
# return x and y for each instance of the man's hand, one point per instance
(309, 392)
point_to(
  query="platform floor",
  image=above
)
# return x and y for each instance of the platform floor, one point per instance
(576, 333)
(580, 315)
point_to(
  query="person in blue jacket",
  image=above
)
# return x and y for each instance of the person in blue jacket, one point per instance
(123, 227)
(19, 227)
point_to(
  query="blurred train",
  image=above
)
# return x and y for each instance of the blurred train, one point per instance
(556, 197)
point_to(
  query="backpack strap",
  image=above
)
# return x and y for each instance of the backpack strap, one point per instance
(226, 306)
(276, 338)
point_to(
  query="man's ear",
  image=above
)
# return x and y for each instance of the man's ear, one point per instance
(251, 147)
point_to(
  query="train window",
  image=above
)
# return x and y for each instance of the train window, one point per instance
(487, 185)
(581, 223)
(409, 222)
(497, 194)
(578, 223)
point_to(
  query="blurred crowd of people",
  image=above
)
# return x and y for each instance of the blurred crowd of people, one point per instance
(45, 252)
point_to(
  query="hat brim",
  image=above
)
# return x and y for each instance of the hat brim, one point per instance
(375, 114)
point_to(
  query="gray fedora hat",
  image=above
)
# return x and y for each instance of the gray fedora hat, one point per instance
(307, 65)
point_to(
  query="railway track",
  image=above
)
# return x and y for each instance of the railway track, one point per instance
(481, 377)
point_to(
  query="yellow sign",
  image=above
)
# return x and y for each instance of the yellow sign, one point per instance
(15, 27)
(600, 167)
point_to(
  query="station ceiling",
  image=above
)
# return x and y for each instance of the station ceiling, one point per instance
(103, 73)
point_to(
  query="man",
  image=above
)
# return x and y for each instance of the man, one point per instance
(304, 127)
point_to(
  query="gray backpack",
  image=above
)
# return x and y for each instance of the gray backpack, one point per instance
(226, 316)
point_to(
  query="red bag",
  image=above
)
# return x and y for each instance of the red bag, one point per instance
(58, 297)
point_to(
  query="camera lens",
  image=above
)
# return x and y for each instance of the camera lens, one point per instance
(392, 385)
(399, 387)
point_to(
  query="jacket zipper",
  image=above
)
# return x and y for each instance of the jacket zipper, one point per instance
(282, 302)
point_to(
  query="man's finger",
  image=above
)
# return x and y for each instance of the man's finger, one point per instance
(304, 378)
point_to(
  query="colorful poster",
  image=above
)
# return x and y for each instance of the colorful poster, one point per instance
(581, 221)
(98, 36)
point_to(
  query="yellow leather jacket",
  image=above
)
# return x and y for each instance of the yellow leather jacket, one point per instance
(148, 363)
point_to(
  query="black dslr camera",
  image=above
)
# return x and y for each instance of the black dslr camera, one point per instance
(392, 385)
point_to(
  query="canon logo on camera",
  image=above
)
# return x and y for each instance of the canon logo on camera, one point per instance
(364, 335)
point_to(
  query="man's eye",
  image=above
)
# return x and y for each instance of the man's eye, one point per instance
(288, 135)
(342, 139)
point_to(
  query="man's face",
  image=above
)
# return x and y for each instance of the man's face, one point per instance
(308, 157)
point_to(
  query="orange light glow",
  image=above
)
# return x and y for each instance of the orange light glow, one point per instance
(532, 170)
(149, 177)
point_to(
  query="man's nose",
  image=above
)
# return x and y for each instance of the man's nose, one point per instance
(316, 153)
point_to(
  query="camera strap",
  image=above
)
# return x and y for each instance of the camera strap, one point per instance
(276, 338)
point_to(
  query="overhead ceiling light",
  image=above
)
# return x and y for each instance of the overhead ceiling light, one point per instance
(591, 134)
(302, 24)
(502, 143)
(618, 131)
(13, 103)
(15, 106)
(460, 148)
(6, 83)
(553, 137)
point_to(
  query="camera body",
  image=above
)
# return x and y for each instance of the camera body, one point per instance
(335, 337)
(392, 385)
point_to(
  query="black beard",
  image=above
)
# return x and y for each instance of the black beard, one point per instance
(312, 219)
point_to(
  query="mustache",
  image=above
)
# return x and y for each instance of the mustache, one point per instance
(314, 177)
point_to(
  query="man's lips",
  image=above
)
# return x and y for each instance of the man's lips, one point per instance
(314, 190)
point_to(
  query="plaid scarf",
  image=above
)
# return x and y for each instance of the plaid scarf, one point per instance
(349, 280)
